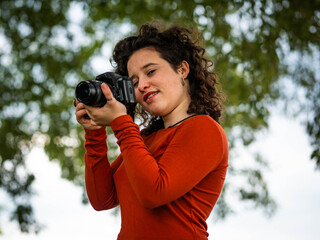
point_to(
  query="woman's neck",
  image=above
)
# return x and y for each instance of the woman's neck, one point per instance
(177, 114)
(174, 118)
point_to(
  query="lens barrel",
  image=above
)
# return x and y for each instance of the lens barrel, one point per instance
(89, 92)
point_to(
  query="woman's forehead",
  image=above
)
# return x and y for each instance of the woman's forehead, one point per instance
(143, 58)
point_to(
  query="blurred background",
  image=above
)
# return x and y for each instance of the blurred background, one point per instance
(266, 53)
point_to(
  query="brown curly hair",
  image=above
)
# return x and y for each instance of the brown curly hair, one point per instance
(174, 44)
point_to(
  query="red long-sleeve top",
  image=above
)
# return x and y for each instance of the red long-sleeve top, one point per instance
(166, 183)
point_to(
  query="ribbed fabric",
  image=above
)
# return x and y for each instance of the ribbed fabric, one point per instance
(166, 183)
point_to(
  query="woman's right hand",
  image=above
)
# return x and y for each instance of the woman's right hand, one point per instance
(83, 117)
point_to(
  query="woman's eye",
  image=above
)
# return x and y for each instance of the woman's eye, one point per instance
(135, 84)
(151, 72)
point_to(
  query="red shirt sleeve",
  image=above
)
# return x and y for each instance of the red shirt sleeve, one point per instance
(198, 147)
(98, 172)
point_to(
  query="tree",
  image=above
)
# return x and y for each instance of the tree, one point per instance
(45, 49)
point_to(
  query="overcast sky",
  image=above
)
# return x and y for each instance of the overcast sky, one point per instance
(292, 181)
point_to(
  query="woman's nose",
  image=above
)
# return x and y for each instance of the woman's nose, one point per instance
(144, 84)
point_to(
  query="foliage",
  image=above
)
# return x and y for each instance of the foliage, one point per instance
(46, 47)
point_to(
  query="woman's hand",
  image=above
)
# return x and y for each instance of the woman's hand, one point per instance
(83, 117)
(94, 117)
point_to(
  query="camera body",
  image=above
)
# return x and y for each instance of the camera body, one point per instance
(89, 92)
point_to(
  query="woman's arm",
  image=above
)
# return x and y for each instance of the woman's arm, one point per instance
(98, 173)
(195, 151)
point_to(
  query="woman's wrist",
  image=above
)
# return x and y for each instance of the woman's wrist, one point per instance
(93, 133)
(118, 121)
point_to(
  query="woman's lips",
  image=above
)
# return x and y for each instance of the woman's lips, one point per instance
(149, 96)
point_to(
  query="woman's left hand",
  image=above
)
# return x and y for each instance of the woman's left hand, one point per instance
(103, 116)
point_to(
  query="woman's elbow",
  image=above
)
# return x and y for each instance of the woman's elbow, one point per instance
(101, 206)
(98, 207)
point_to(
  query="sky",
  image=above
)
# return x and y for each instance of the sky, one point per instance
(292, 180)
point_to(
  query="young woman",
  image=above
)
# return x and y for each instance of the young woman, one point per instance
(168, 176)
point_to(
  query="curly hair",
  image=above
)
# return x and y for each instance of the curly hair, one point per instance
(174, 44)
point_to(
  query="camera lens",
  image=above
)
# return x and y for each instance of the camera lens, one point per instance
(89, 92)
(83, 91)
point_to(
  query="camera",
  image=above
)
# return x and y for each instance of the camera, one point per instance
(89, 92)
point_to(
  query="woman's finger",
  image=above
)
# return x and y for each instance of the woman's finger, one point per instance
(107, 92)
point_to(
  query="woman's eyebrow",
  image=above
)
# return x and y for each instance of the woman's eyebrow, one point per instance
(144, 67)
(148, 65)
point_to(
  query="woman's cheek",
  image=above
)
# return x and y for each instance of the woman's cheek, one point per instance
(139, 96)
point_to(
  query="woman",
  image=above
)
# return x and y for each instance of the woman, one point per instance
(169, 176)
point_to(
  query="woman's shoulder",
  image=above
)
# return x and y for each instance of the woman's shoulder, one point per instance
(201, 125)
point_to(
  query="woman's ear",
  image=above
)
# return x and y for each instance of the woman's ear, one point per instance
(184, 69)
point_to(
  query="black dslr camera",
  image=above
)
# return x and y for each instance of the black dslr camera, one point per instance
(89, 92)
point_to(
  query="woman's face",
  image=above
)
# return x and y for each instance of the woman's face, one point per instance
(158, 87)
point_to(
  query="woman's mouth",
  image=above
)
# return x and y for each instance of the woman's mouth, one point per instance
(148, 97)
